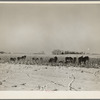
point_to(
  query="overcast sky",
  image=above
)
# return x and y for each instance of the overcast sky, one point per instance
(44, 27)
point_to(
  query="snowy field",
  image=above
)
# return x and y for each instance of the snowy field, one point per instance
(48, 78)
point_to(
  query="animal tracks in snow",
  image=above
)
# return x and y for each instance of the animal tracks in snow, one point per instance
(70, 85)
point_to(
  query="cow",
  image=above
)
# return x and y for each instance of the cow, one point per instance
(80, 60)
(83, 60)
(74, 60)
(53, 61)
(68, 60)
(23, 57)
(41, 60)
(33, 58)
(18, 58)
(13, 59)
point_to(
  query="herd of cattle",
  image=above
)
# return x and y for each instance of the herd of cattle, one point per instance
(51, 61)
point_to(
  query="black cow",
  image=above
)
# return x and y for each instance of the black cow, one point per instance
(68, 59)
(18, 58)
(13, 59)
(23, 57)
(53, 60)
(33, 58)
(83, 59)
(74, 60)
(80, 60)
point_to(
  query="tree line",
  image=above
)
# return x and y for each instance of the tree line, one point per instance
(62, 52)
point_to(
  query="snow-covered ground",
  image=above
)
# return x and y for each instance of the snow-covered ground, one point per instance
(48, 78)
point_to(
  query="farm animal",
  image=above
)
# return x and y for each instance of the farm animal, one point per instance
(68, 60)
(80, 60)
(53, 60)
(21, 58)
(18, 58)
(33, 58)
(83, 59)
(13, 59)
(74, 60)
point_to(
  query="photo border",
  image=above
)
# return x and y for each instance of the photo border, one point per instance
(49, 94)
